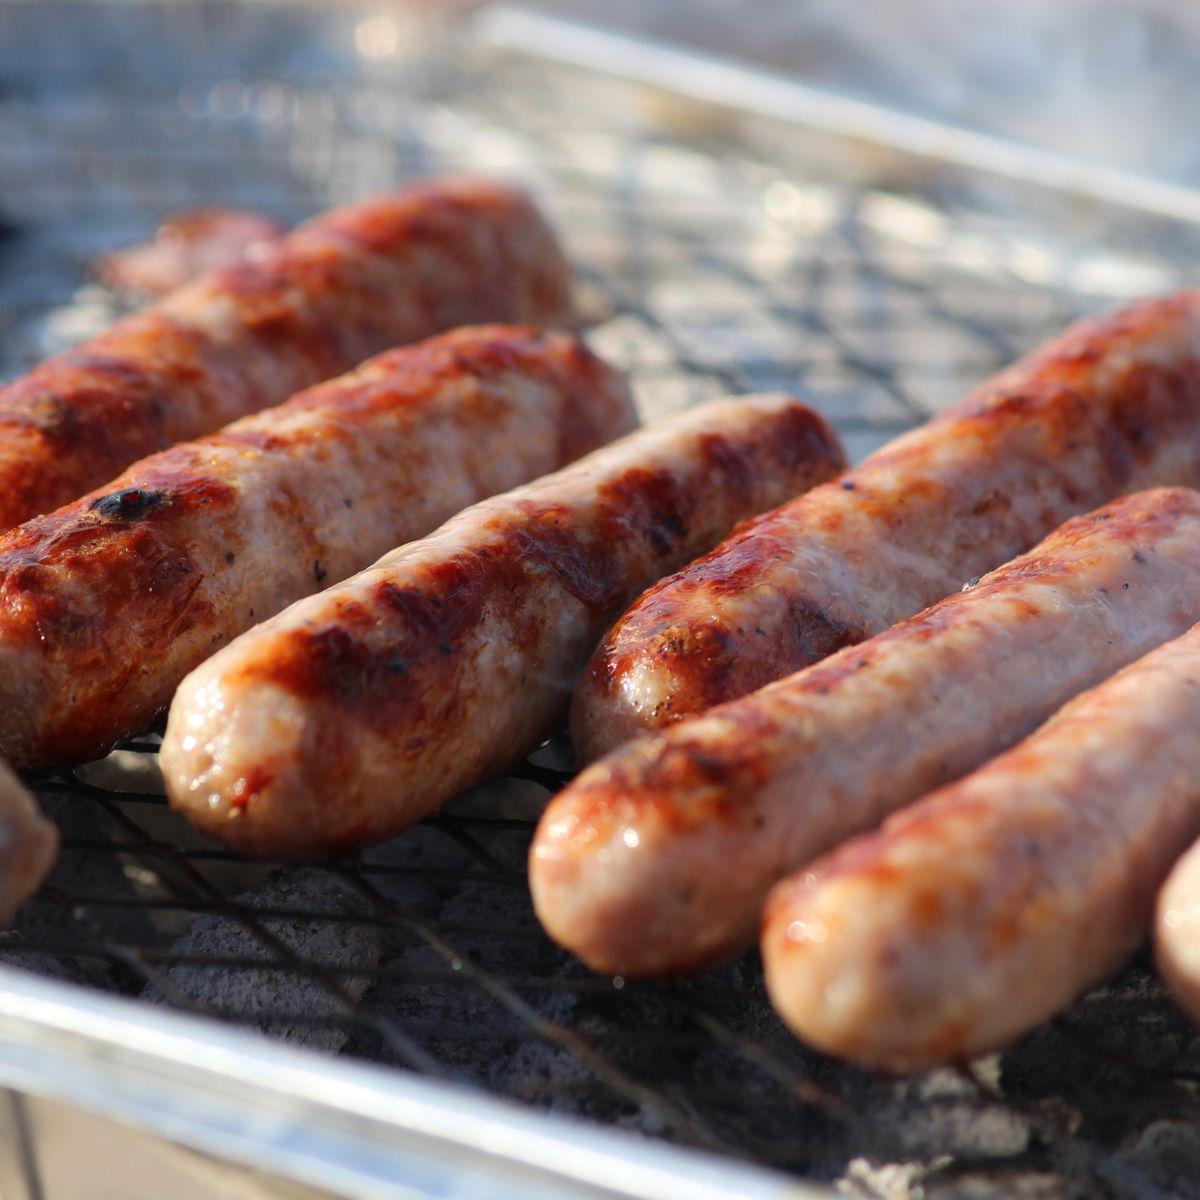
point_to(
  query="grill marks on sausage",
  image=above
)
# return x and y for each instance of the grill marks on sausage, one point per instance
(655, 776)
(706, 659)
(434, 219)
(1151, 400)
(705, 656)
(430, 216)
(120, 575)
(336, 290)
(116, 388)
(642, 513)
(414, 374)
(127, 504)
(63, 577)
(1034, 874)
(1111, 407)
(347, 661)
(395, 650)
(590, 558)
(441, 663)
(266, 293)
(106, 404)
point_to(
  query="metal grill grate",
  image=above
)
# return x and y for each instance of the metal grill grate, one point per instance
(705, 269)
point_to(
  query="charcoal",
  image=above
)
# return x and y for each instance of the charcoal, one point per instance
(308, 1006)
(81, 870)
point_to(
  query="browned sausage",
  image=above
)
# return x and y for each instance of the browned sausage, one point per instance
(184, 248)
(1177, 916)
(354, 713)
(106, 604)
(988, 906)
(1113, 406)
(658, 857)
(308, 306)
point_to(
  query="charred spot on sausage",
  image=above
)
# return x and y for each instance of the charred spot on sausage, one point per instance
(128, 504)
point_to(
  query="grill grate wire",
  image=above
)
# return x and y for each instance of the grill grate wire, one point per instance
(705, 269)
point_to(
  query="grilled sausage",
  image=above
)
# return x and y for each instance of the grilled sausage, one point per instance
(184, 248)
(340, 288)
(1111, 407)
(988, 906)
(1177, 914)
(106, 604)
(658, 857)
(356, 712)
(28, 844)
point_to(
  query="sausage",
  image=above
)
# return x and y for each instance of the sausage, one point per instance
(107, 603)
(311, 305)
(1177, 916)
(28, 844)
(1111, 407)
(356, 712)
(184, 248)
(657, 858)
(985, 908)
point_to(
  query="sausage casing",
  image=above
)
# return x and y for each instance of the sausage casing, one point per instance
(1113, 406)
(306, 307)
(985, 908)
(354, 713)
(183, 248)
(658, 857)
(108, 602)
(1177, 921)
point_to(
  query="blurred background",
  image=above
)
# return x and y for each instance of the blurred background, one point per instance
(1106, 82)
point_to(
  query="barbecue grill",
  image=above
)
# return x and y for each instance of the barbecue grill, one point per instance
(395, 1023)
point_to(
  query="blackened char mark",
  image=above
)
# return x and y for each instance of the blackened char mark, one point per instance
(127, 504)
(639, 514)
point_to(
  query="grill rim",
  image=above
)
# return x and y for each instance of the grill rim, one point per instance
(330, 1122)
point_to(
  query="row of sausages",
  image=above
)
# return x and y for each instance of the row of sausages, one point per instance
(814, 670)
(1008, 884)
(402, 679)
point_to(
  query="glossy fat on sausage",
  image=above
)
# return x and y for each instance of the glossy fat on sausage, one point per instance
(107, 603)
(356, 712)
(1112, 406)
(28, 844)
(306, 307)
(1177, 914)
(985, 908)
(657, 858)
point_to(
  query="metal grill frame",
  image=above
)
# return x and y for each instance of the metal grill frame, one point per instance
(699, 261)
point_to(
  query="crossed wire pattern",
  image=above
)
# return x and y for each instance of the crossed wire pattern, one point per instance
(704, 267)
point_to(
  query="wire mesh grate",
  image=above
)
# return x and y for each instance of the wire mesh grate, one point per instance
(704, 268)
